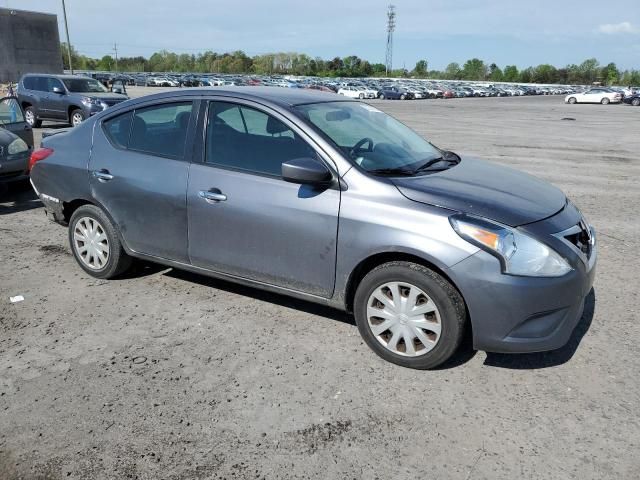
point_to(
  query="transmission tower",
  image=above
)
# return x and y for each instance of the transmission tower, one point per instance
(391, 26)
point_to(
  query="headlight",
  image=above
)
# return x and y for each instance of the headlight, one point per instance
(90, 101)
(518, 253)
(17, 146)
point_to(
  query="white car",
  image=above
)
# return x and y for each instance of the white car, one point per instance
(594, 95)
(356, 92)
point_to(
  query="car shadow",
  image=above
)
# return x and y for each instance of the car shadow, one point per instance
(465, 352)
(17, 197)
(263, 295)
(532, 361)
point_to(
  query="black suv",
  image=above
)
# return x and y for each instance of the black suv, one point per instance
(67, 98)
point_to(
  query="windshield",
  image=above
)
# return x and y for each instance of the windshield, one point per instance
(84, 85)
(10, 111)
(372, 139)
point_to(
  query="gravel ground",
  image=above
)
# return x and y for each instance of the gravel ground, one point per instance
(166, 374)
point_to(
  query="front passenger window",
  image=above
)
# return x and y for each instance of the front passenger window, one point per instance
(245, 138)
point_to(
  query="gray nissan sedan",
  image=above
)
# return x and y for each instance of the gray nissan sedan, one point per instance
(308, 194)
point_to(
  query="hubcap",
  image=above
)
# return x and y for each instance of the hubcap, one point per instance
(404, 319)
(76, 119)
(90, 243)
(29, 117)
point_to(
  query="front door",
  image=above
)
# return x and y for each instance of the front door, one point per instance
(12, 119)
(244, 220)
(56, 103)
(138, 172)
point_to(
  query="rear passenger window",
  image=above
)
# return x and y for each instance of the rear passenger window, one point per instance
(161, 130)
(117, 129)
(248, 139)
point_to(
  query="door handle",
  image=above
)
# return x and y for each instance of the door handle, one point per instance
(102, 175)
(212, 196)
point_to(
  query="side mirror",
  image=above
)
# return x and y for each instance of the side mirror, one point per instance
(57, 90)
(306, 171)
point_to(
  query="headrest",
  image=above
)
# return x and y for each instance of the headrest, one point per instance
(139, 126)
(275, 126)
(182, 120)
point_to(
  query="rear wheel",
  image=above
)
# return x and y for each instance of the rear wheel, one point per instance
(95, 243)
(361, 96)
(381, 96)
(403, 96)
(605, 101)
(31, 118)
(77, 117)
(409, 315)
(635, 102)
(572, 100)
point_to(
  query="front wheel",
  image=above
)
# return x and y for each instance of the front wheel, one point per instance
(31, 118)
(409, 315)
(635, 102)
(77, 117)
(605, 101)
(381, 97)
(572, 100)
(95, 243)
(403, 96)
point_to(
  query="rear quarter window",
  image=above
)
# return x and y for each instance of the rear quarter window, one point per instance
(117, 129)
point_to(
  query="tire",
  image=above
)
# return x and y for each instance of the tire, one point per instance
(635, 102)
(432, 290)
(361, 96)
(605, 101)
(572, 100)
(92, 224)
(381, 97)
(403, 96)
(76, 117)
(31, 118)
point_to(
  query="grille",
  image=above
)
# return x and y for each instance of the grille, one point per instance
(580, 238)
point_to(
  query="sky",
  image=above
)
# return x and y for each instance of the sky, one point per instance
(506, 32)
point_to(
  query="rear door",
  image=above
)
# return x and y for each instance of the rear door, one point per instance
(12, 119)
(244, 220)
(138, 171)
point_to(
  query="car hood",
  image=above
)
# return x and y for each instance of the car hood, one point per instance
(487, 190)
(6, 137)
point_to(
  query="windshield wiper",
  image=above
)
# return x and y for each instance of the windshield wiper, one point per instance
(391, 171)
(449, 157)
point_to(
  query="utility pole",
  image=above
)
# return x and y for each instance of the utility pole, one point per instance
(391, 26)
(66, 27)
(115, 49)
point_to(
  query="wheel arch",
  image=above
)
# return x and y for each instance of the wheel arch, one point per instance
(71, 109)
(377, 259)
(69, 207)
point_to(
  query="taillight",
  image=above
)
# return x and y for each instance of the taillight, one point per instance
(39, 154)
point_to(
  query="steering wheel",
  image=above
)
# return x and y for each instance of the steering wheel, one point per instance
(358, 147)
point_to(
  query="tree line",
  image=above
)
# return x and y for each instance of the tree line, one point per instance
(291, 63)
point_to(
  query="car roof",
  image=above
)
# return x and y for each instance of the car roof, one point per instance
(284, 97)
(55, 75)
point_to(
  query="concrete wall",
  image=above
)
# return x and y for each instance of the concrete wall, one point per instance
(29, 43)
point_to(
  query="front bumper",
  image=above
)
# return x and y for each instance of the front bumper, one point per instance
(14, 168)
(514, 314)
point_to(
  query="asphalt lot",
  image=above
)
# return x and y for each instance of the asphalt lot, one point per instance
(166, 374)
